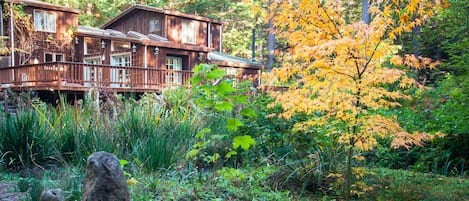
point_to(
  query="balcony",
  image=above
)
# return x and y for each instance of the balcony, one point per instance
(69, 76)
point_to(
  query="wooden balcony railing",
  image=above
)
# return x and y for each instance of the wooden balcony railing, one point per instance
(81, 77)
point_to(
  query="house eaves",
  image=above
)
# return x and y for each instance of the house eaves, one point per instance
(159, 10)
(44, 5)
(135, 37)
(229, 60)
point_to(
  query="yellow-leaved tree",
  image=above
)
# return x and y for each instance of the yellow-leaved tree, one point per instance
(337, 67)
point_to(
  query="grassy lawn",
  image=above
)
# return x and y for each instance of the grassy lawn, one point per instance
(245, 184)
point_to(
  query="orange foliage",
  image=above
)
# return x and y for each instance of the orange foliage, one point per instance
(336, 67)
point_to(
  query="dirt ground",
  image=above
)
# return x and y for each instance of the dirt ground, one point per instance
(7, 192)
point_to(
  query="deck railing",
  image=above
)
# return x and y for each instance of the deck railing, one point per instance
(81, 77)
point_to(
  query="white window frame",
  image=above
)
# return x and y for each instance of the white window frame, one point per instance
(92, 75)
(45, 21)
(174, 74)
(189, 32)
(120, 75)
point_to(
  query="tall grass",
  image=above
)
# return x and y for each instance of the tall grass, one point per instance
(25, 140)
(157, 131)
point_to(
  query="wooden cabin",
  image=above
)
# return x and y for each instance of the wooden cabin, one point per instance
(144, 49)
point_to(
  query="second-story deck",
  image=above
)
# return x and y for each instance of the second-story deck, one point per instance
(69, 76)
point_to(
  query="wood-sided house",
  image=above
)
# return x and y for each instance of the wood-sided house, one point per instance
(142, 49)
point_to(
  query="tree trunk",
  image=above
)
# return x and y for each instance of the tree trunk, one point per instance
(270, 41)
(270, 45)
(365, 13)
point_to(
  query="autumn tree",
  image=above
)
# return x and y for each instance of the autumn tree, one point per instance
(339, 72)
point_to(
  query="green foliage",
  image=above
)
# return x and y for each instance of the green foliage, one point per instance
(224, 103)
(25, 141)
(155, 131)
(406, 185)
(442, 109)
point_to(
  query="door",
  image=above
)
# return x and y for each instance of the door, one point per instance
(92, 75)
(120, 76)
(174, 67)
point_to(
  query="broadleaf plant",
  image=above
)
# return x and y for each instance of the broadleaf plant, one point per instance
(220, 99)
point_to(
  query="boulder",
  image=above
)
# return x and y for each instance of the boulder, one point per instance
(52, 195)
(104, 179)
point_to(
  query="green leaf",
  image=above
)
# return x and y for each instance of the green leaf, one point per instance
(248, 112)
(123, 162)
(201, 134)
(244, 142)
(224, 106)
(225, 88)
(233, 124)
(215, 74)
(231, 153)
(191, 154)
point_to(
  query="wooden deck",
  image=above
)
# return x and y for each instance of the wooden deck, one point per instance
(69, 76)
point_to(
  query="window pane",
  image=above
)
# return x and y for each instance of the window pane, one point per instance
(38, 20)
(51, 22)
(48, 57)
(59, 57)
(154, 25)
(188, 31)
(93, 45)
(118, 45)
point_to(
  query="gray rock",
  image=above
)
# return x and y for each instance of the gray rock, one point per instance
(52, 195)
(104, 180)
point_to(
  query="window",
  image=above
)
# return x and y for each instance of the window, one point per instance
(154, 25)
(188, 32)
(118, 45)
(44, 21)
(120, 60)
(53, 57)
(92, 45)
(174, 76)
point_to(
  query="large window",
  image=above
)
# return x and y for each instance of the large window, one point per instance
(188, 32)
(174, 65)
(92, 45)
(44, 20)
(155, 25)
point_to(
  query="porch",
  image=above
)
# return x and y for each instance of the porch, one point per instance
(71, 76)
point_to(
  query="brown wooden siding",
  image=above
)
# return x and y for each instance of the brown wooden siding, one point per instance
(216, 36)
(60, 42)
(138, 21)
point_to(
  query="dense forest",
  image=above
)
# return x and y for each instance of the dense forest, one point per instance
(371, 104)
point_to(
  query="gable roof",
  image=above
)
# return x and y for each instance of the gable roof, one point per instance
(158, 10)
(40, 4)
